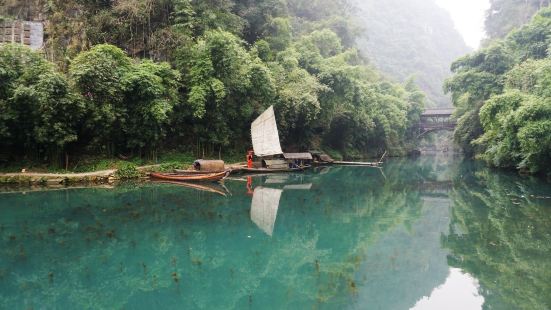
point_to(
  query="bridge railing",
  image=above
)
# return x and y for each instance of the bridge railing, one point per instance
(446, 112)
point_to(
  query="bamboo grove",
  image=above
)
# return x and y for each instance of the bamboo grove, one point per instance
(502, 97)
(140, 76)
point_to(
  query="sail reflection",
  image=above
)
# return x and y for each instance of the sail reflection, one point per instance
(265, 202)
(264, 208)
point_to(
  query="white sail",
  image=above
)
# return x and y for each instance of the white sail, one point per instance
(264, 208)
(264, 134)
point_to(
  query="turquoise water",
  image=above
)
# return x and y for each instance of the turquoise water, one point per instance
(431, 233)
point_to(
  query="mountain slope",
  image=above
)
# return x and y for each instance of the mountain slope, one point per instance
(405, 38)
(506, 15)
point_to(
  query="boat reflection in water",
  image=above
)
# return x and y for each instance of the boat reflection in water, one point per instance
(265, 202)
(216, 188)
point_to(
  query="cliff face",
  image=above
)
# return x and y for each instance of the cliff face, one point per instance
(405, 38)
(506, 15)
(22, 9)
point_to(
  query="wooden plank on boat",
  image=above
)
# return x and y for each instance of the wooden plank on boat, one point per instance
(268, 170)
(367, 164)
(354, 163)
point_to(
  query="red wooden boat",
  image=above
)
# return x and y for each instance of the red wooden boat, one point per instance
(211, 177)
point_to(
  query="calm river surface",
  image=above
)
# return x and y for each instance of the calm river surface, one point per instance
(430, 233)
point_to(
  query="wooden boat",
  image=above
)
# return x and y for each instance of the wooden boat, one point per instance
(267, 147)
(274, 170)
(211, 177)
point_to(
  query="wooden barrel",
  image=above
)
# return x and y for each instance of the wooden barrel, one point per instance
(209, 165)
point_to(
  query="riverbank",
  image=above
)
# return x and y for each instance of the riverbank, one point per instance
(101, 177)
(95, 163)
(96, 169)
(90, 170)
(33, 178)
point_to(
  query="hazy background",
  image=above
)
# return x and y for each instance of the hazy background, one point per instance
(414, 39)
(468, 17)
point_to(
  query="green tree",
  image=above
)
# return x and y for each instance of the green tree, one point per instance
(39, 115)
(150, 93)
(502, 94)
(227, 84)
(234, 59)
(477, 77)
(297, 103)
(128, 104)
(97, 75)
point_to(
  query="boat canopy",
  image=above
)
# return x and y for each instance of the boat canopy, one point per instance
(209, 165)
(265, 136)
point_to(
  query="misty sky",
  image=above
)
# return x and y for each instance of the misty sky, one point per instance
(468, 16)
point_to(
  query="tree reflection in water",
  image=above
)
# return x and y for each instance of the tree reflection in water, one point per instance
(501, 234)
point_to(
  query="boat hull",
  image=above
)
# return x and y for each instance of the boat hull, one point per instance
(212, 177)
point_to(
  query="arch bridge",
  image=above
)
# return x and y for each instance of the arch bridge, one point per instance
(436, 120)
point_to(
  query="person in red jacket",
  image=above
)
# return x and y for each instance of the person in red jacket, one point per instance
(250, 155)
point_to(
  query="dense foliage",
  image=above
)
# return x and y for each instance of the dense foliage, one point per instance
(505, 15)
(405, 38)
(226, 61)
(502, 97)
(128, 104)
(37, 108)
